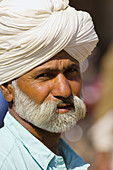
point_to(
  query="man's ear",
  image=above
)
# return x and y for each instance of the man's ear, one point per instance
(8, 91)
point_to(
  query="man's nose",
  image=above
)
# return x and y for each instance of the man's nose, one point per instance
(61, 87)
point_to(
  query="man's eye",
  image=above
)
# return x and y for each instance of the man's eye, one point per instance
(72, 73)
(72, 70)
(44, 76)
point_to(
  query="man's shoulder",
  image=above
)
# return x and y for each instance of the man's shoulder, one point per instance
(6, 144)
(6, 137)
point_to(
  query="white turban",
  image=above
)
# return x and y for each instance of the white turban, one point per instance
(33, 31)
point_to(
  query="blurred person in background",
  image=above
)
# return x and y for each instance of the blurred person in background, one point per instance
(101, 132)
(3, 108)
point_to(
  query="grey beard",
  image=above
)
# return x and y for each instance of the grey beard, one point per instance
(44, 116)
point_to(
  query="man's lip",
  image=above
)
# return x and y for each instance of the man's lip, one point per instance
(64, 108)
(65, 105)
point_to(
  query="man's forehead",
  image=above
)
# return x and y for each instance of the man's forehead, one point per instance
(60, 61)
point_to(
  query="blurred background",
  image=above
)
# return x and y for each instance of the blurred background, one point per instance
(92, 138)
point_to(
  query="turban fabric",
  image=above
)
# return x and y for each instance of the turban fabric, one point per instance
(33, 31)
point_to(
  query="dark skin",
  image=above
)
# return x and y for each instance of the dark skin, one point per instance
(57, 79)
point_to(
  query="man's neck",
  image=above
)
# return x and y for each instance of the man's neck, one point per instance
(49, 139)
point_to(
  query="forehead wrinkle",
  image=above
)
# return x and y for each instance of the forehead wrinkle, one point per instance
(57, 63)
(56, 69)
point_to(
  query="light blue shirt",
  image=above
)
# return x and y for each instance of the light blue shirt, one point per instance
(20, 150)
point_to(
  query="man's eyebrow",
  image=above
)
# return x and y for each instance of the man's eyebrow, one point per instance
(49, 69)
(44, 70)
(73, 66)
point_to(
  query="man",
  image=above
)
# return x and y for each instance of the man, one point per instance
(42, 44)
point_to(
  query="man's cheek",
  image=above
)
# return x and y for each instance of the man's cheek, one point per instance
(76, 88)
(41, 93)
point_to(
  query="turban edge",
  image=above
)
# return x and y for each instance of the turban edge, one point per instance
(35, 34)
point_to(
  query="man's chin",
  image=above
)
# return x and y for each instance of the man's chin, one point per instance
(55, 126)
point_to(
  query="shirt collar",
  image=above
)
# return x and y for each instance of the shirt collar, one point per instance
(72, 160)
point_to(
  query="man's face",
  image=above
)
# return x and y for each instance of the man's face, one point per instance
(45, 96)
(57, 78)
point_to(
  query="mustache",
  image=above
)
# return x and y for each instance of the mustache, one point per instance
(69, 100)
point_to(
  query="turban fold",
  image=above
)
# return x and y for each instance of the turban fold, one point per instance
(33, 31)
